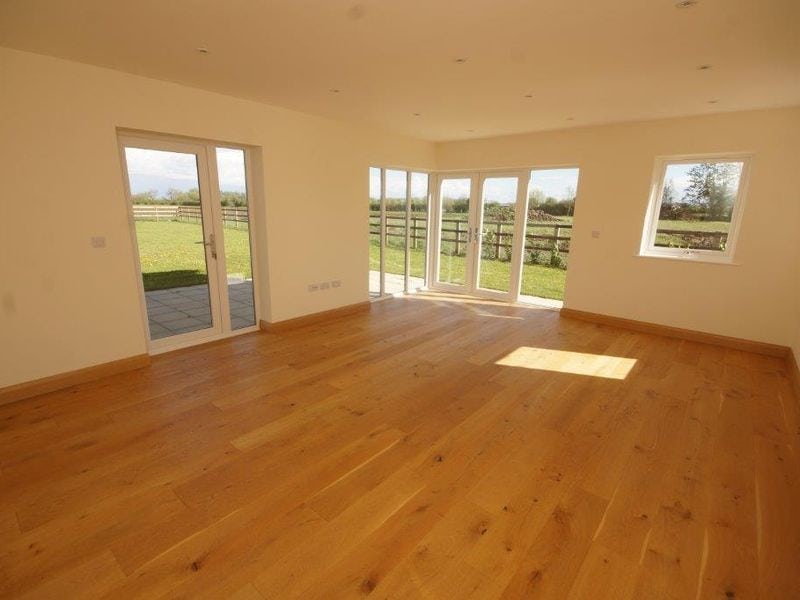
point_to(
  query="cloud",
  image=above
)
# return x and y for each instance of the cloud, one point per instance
(160, 170)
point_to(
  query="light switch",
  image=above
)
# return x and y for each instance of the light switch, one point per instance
(98, 241)
(595, 233)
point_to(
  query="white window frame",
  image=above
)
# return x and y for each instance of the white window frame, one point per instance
(648, 247)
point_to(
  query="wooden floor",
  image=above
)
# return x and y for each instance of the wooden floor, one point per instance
(427, 449)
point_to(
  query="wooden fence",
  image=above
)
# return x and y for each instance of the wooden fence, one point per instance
(232, 216)
(455, 234)
(497, 235)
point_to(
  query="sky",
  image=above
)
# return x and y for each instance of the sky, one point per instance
(158, 170)
(552, 182)
(679, 174)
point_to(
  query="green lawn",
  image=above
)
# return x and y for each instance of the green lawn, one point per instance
(171, 254)
(537, 280)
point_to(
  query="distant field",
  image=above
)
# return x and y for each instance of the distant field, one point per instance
(705, 226)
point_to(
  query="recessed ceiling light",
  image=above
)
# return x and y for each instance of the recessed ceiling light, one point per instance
(529, 95)
(417, 114)
(570, 118)
(470, 131)
(461, 60)
(334, 90)
(714, 101)
(704, 67)
(202, 50)
(686, 3)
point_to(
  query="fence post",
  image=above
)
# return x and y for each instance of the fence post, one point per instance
(458, 235)
(558, 232)
(498, 233)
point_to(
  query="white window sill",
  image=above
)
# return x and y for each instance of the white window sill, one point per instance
(694, 258)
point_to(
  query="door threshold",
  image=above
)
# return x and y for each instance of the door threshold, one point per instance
(202, 341)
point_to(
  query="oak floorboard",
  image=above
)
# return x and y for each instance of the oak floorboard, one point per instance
(431, 447)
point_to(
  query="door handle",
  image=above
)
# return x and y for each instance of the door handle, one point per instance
(212, 243)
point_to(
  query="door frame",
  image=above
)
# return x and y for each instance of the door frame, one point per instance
(475, 222)
(207, 172)
(518, 244)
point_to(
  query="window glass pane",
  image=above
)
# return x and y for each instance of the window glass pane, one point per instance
(374, 232)
(454, 194)
(697, 202)
(395, 245)
(419, 229)
(548, 230)
(236, 227)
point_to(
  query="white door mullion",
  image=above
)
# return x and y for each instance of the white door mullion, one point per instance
(407, 269)
(217, 227)
(383, 234)
(520, 226)
(476, 233)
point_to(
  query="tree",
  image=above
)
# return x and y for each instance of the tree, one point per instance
(569, 200)
(148, 197)
(535, 197)
(711, 185)
(179, 197)
(668, 195)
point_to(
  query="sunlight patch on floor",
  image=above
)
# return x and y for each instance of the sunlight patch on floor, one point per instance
(563, 361)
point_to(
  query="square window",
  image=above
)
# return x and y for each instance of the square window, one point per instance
(695, 208)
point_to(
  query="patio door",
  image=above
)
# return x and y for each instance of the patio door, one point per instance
(190, 221)
(479, 233)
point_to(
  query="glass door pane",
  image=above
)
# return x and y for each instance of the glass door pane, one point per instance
(171, 233)
(454, 205)
(498, 207)
(231, 172)
(548, 233)
(418, 234)
(374, 225)
(394, 250)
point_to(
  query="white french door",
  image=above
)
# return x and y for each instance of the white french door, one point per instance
(189, 205)
(479, 228)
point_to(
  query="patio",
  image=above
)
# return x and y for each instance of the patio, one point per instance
(184, 309)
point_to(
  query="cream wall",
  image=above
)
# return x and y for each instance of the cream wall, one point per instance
(796, 342)
(756, 299)
(65, 305)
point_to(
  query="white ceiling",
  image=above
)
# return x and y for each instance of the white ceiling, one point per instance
(584, 61)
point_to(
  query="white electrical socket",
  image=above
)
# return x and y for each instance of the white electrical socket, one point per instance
(324, 285)
(313, 287)
(595, 233)
(336, 283)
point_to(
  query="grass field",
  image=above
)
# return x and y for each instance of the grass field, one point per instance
(172, 254)
(537, 280)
